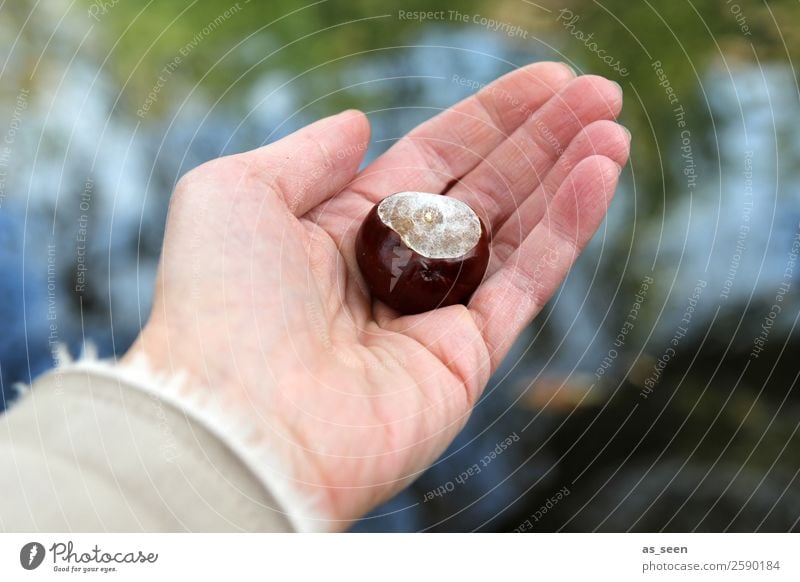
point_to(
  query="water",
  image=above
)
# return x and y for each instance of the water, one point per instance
(80, 162)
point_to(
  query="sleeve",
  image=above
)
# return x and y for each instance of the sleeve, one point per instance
(89, 451)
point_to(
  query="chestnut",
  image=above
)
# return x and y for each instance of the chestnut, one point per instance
(418, 251)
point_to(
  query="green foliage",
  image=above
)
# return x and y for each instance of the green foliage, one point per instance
(687, 37)
(238, 41)
(224, 47)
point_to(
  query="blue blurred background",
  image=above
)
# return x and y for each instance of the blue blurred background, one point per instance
(657, 391)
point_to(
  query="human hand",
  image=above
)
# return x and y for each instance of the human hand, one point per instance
(259, 299)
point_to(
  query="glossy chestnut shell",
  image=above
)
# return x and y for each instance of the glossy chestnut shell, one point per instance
(418, 251)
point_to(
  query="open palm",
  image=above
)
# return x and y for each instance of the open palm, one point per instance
(260, 301)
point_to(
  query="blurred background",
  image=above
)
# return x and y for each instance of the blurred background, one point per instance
(658, 389)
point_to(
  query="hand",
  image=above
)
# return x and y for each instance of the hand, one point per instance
(259, 298)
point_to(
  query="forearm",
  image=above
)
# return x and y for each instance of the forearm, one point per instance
(87, 449)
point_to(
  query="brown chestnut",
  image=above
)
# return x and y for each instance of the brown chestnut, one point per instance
(418, 251)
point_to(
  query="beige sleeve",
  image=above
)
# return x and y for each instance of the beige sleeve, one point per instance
(83, 451)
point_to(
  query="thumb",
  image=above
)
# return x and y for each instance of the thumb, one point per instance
(314, 163)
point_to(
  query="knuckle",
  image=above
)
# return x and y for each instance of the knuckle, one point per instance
(604, 137)
(226, 171)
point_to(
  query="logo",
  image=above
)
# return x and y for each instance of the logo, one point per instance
(31, 555)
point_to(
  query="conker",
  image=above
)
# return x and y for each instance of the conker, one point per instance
(418, 251)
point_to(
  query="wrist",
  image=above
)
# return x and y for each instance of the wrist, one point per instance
(245, 419)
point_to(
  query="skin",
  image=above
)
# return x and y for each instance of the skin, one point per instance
(259, 301)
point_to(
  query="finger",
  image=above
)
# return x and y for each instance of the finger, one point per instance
(506, 303)
(450, 144)
(502, 182)
(605, 138)
(314, 163)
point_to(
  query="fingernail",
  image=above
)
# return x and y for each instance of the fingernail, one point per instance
(619, 168)
(618, 86)
(571, 69)
(627, 132)
(351, 111)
